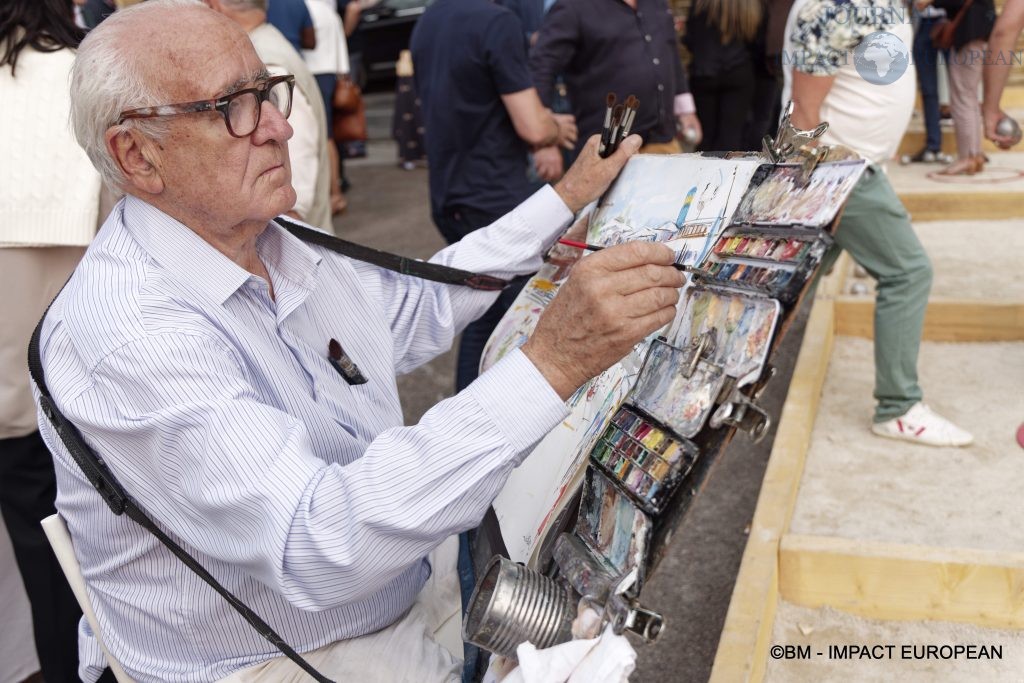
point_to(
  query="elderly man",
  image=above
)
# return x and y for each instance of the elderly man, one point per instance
(191, 351)
(311, 169)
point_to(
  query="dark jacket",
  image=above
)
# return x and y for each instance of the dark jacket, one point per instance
(976, 25)
(711, 57)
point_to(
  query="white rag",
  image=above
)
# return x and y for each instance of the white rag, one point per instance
(607, 659)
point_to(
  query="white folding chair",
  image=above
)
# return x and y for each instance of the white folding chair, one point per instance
(60, 540)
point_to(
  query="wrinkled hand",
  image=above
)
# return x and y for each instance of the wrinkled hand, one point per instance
(690, 121)
(567, 133)
(548, 161)
(590, 175)
(613, 299)
(991, 120)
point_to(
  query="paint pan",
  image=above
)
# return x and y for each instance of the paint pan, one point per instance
(657, 458)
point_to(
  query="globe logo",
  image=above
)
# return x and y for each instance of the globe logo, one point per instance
(881, 58)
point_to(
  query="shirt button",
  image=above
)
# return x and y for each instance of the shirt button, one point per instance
(647, 38)
(639, 15)
(657, 61)
(661, 88)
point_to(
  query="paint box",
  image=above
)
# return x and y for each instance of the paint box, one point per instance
(773, 261)
(611, 526)
(645, 459)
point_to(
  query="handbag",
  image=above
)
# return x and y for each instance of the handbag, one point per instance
(349, 112)
(944, 30)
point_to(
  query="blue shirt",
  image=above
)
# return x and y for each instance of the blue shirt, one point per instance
(216, 408)
(290, 17)
(467, 54)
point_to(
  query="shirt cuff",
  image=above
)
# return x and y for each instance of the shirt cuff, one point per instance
(684, 104)
(519, 400)
(545, 215)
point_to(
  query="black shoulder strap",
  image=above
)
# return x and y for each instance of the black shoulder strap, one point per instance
(118, 500)
(400, 264)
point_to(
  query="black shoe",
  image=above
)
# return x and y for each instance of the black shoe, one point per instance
(925, 156)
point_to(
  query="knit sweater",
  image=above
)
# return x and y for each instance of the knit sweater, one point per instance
(49, 190)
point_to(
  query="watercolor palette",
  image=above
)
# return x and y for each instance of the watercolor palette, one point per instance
(665, 392)
(647, 460)
(742, 326)
(768, 248)
(778, 195)
(611, 525)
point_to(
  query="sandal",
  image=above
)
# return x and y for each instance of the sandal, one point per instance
(966, 166)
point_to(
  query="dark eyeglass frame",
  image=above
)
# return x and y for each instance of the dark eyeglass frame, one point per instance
(218, 104)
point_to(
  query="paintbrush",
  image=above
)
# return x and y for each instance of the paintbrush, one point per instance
(634, 104)
(616, 129)
(607, 130)
(594, 247)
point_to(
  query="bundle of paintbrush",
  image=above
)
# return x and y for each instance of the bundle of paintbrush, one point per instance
(618, 122)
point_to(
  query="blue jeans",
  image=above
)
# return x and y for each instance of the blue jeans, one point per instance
(926, 61)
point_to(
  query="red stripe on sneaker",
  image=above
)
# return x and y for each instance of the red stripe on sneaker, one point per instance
(918, 432)
(899, 423)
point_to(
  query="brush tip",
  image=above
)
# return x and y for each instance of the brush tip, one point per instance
(610, 99)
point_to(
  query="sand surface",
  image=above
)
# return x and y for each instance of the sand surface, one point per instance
(821, 628)
(1002, 174)
(971, 259)
(857, 485)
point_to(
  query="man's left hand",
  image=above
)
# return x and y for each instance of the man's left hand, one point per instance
(548, 161)
(691, 122)
(590, 176)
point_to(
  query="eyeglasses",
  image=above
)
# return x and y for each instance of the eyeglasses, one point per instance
(241, 110)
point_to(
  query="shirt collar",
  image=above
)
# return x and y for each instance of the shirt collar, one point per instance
(195, 262)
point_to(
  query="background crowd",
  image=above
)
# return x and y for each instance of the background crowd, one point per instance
(495, 98)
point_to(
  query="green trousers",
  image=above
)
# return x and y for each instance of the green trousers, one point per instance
(875, 229)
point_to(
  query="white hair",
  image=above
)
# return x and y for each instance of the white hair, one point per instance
(107, 79)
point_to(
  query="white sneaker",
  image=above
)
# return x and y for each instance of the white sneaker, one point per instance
(922, 425)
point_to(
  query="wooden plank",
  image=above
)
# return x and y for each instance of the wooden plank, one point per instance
(743, 647)
(957, 320)
(881, 580)
(950, 205)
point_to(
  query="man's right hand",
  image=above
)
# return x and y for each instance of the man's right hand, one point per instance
(612, 300)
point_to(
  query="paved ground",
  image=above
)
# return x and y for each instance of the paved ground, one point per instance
(389, 209)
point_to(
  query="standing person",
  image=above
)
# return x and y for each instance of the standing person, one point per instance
(620, 46)
(293, 20)
(328, 62)
(49, 206)
(481, 117)
(310, 160)
(997, 68)
(965, 64)
(721, 35)
(875, 229)
(926, 63)
(213, 401)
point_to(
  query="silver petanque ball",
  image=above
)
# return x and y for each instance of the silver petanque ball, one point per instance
(1009, 128)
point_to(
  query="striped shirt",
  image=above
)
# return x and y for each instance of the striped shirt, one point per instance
(217, 409)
